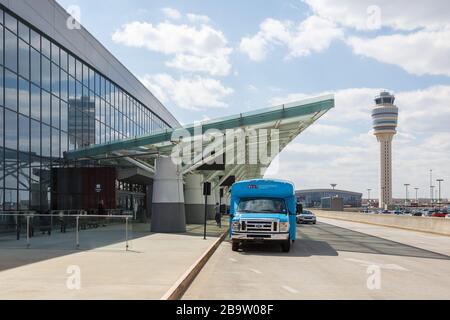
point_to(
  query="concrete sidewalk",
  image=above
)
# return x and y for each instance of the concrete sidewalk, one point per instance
(153, 264)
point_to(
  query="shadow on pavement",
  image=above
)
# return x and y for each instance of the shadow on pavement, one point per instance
(327, 240)
(111, 238)
(341, 239)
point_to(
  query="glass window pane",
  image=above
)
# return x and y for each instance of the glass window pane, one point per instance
(11, 90)
(45, 141)
(45, 107)
(35, 102)
(35, 40)
(11, 131)
(64, 85)
(55, 80)
(55, 53)
(85, 75)
(79, 71)
(35, 138)
(55, 143)
(24, 134)
(45, 47)
(11, 22)
(24, 59)
(63, 63)
(64, 143)
(24, 97)
(45, 73)
(72, 87)
(72, 66)
(24, 32)
(2, 84)
(1, 50)
(10, 50)
(24, 199)
(55, 112)
(35, 67)
(64, 116)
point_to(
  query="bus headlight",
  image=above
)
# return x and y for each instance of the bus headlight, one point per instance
(284, 226)
(235, 226)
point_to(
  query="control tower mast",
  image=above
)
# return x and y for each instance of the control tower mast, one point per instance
(385, 118)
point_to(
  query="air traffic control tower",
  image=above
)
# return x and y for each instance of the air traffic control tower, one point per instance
(385, 117)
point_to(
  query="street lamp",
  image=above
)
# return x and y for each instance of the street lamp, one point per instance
(406, 199)
(440, 181)
(431, 186)
(417, 197)
(432, 194)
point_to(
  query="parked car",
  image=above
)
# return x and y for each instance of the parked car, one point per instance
(417, 213)
(397, 212)
(306, 217)
(439, 214)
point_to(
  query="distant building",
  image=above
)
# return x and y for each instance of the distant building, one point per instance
(313, 197)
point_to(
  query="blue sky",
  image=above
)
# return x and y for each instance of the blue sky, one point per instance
(243, 55)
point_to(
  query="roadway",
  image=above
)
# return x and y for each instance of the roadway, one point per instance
(332, 260)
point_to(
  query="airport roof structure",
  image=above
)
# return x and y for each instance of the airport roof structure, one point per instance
(289, 119)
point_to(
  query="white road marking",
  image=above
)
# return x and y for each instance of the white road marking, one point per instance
(291, 290)
(391, 266)
(255, 271)
(233, 260)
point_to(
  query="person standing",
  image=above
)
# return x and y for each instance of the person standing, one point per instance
(218, 215)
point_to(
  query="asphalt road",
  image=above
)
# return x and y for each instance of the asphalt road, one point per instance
(328, 262)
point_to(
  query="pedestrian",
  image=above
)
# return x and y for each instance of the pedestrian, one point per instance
(218, 215)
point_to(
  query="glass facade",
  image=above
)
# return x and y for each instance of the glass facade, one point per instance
(52, 102)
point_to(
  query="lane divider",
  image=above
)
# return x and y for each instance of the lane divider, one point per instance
(177, 291)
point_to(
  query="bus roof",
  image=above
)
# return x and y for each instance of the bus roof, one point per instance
(263, 188)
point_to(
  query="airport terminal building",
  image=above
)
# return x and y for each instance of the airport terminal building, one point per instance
(62, 90)
(78, 128)
(313, 198)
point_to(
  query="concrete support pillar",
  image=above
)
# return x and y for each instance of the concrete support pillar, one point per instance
(211, 202)
(168, 212)
(194, 199)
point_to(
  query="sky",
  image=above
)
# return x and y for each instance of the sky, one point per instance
(209, 59)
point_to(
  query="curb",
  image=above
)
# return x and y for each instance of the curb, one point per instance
(179, 288)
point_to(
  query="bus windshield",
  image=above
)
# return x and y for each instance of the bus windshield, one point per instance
(262, 205)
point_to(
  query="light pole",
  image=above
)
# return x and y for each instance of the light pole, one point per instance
(432, 194)
(417, 195)
(431, 186)
(333, 185)
(368, 199)
(406, 198)
(440, 181)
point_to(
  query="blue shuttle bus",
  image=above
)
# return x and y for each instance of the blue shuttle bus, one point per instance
(263, 210)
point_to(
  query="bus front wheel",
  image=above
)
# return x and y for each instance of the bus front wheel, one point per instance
(286, 246)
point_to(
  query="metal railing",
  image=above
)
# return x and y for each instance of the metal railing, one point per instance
(14, 218)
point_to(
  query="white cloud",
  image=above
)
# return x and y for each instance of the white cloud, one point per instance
(195, 48)
(194, 93)
(423, 52)
(314, 34)
(197, 18)
(399, 15)
(171, 13)
(423, 141)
